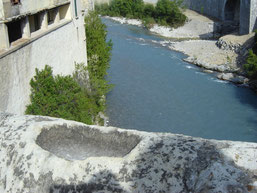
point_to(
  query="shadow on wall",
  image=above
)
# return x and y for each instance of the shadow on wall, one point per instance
(217, 31)
(170, 164)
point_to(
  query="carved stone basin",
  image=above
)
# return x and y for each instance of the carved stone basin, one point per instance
(81, 142)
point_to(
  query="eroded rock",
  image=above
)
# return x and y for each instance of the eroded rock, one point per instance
(48, 155)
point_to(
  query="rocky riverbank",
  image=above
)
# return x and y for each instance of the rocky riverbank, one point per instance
(223, 57)
(44, 154)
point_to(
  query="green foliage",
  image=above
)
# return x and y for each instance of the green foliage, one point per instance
(59, 96)
(148, 22)
(255, 45)
(81, 97)
(98, 55)
(166, 12)
(251, 63)
(149, 11)
(202, 10)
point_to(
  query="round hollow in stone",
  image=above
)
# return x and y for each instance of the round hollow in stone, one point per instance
(81, 142)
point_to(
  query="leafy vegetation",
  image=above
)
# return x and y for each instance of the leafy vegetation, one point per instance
(165, 12)
(98, 56)
(80, 97)
(59, 96)
(251, 62)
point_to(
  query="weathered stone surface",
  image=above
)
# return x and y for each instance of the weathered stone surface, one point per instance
(48, 155)
(233, 78)
(236, 43)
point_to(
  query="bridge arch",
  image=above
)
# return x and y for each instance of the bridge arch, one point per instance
(232, 10)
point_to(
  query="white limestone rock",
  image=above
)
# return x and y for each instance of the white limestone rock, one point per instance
(237, 79)
(49, 155)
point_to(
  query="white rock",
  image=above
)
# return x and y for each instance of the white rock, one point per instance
(43, 155)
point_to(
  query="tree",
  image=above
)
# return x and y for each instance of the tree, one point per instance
(251, 65)
(251, 62)
(98, 57)
(59, 96)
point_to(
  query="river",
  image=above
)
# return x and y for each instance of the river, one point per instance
(156, 91)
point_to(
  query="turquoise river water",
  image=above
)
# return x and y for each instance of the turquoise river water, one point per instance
(156, 91)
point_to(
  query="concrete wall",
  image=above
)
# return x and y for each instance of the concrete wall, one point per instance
(28, 6)
(1, 10)
(59, 48)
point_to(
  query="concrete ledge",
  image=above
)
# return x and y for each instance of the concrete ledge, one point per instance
(33, 12)
(36, 35)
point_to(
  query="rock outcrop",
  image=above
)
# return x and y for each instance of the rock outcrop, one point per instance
(49, 155)
(236, 43)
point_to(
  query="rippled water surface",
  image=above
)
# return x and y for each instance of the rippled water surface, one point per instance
(156, 91)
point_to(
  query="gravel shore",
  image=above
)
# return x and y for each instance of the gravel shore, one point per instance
(194, 40)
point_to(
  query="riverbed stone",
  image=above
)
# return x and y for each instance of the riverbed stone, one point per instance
(233, 78)
(50, 155)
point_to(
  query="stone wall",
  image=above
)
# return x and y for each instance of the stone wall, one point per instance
(48, 155)
(253, 19)
(59, 47)
(211, 8)
(216, 9)
(245, 13)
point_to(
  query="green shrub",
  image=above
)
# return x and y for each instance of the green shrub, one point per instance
(169, 12)
(255, 45)
(149, 11)
(148, 22)
(251, 65)
(251, 62)
(166, 12)
(98, 56)
(81, 97)
(59, 96)
(102, 8)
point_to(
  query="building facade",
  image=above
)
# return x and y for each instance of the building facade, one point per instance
(33, 34)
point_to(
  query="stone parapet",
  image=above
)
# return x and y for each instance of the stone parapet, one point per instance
(44, 154)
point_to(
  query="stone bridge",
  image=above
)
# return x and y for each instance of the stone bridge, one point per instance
(238, 13)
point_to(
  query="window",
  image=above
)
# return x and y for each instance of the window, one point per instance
(34, 22)
(14, 30)
(14, 2)
(65, 12)
(51, 14)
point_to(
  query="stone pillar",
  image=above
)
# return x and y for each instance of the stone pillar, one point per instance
(25, 27)
(4, 38)
(253, 15)
(57, 15)
(245, 7)
(43, 20)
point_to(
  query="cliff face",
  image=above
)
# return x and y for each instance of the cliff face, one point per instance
(47, 155)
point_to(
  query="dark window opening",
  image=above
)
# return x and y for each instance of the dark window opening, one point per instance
(232, 10)
(34, 22)
(14, 30)
(15, 2)
(51, 14)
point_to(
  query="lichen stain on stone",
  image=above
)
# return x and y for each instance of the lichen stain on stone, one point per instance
(128, 161)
